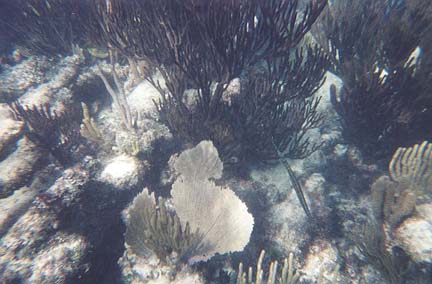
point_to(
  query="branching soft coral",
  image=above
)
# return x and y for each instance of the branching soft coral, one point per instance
(205, 46)
(59, 134)
(377, 50)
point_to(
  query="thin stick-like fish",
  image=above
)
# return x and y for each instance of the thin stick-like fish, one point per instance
(294, 182)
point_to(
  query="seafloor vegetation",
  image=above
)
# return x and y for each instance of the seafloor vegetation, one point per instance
(216, 141)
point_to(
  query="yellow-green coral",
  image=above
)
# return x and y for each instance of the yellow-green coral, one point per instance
(89, 128)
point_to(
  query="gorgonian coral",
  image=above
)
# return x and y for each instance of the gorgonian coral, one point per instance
(59, 134)
(204, 46)
(380, 52)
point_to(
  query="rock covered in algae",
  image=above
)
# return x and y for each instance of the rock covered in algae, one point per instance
(123, 172)
(414, 235)
(18, 166)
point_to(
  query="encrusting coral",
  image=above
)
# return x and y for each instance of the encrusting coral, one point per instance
(208, 219)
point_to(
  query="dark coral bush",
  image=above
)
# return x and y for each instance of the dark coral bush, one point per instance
(51, 27)
(379, 49)
(204, 45)
(56, 133)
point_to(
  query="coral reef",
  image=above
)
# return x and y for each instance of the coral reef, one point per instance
(13, 206)
(248, 84)
(17, 79)
(18, 166)
(10, 130)
(414, 235)
(33, 248)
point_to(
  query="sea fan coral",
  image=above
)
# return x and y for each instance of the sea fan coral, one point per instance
(208, 219)
(215, 211)
(199, 163)
(152, 227)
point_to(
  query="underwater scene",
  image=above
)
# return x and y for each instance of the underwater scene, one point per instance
(215, 141)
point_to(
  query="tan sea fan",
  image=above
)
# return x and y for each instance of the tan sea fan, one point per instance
(152, 227)
(199, 163)
(219, 215)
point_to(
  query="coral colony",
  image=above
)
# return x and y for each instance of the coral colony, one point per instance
(216, 141)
